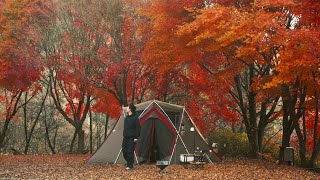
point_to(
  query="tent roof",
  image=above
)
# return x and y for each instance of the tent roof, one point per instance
(165, 106)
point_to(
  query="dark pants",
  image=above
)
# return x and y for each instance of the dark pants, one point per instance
(128, 150)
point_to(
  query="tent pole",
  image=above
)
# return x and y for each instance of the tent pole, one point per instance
(185, 147)
(118, 156)
(135, 155)
(145, 109)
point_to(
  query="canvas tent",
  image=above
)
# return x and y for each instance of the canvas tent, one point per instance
(165, 135)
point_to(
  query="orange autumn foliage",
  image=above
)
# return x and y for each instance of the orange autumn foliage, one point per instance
(18, 56)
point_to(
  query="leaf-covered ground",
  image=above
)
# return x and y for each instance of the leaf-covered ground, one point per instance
(75, 167)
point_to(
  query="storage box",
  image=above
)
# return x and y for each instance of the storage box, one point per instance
(184, 158)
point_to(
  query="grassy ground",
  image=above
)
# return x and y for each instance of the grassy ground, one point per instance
(75, 167)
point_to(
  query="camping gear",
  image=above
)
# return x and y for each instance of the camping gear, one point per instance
(162, 165)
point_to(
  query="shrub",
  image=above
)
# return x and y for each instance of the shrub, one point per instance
(271, 150)
(236, 143)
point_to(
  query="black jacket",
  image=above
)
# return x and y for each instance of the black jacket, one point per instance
(131, 126)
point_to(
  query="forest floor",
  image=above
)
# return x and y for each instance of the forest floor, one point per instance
(75, 167)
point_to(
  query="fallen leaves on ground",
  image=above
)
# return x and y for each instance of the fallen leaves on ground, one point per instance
(75, 167)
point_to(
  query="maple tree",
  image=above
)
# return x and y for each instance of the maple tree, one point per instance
(256, 46)
(212, 37)
(294, 78)
(166, 54)
(110, 48)
(288, 80)
(299, 86)
(92, 56)
(62, 49)
(20, 65)
(118, 67)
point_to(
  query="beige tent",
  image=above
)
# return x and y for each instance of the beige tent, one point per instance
(165, 135)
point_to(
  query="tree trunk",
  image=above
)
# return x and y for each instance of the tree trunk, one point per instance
(262, 126)
(287, 122)
(241, 130)
(10, 114)
(55, 137)
(80, 133)
(285, 143)
(286, 135)
(298, 98)
(4, 131)
(28, 137)
(25, 123)
(316, 143)
(302, 146)
(314, 155)
(252, 143)
(252, 136)
(98, 136)
(48, 138)
(90, 114)
(248, 111)
(261, 133)
(245, 98)
(302, 141)
(47, 133)
(106, 127)
(302, 154)
(72, 141)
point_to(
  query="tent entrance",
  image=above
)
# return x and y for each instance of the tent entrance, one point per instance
(154, 154)
(156, 141)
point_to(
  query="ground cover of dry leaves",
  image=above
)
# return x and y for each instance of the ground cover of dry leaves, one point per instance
(75, 167)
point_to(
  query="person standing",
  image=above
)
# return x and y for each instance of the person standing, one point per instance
(131, 133)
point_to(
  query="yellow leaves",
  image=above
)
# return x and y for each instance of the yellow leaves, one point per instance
(297, 58)
(14, 15)
(205, 35)
(263, 20)
(246, 51)
(217, 27)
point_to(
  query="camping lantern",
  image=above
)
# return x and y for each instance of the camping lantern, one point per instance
(215, 147)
